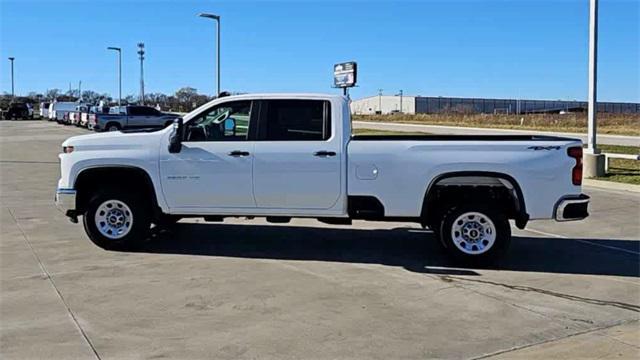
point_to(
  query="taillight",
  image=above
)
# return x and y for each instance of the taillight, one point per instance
(67, 149)
(576, 172)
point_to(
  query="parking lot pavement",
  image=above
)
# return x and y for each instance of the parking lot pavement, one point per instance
(303, 290)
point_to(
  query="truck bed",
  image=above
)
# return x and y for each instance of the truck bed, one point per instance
(428, 137)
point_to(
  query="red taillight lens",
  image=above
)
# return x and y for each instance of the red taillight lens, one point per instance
(67, 149)
(576, 172)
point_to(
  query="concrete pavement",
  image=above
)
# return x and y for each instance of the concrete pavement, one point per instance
(455, 130)
(248, 289)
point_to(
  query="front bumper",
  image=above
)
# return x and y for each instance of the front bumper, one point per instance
(571, 208)
(66, 201)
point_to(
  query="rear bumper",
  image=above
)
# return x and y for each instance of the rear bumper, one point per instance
(571, 208)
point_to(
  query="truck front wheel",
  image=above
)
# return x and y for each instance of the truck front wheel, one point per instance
(116, 220)
(475, 234)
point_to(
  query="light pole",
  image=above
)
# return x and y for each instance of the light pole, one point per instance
(594, 162)
(400, 94)
(593, 77)
(141, 54)
(12, 90)
(217, 19)
(119, 72)
(380, 101)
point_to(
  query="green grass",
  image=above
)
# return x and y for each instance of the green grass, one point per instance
(621, 170)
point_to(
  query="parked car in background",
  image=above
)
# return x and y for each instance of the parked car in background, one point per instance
(44, 110)
(16, 111)
(74, 116)
(59, 111)
(91, 115)
(282, 156)
(133, 116)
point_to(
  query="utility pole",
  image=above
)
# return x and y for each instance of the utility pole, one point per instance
(141, 55)
(80, 90)
(217, 19)
(13, 94)
(594, 162)
(119, 50)
(380, 101)
(401, 93)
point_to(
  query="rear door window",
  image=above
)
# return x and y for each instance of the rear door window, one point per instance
(296, 120)
(136, 111)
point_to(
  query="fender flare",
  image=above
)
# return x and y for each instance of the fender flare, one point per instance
(522, 216)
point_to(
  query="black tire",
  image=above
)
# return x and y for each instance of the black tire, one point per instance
(140, 223)
(112, 127)
(475, 254)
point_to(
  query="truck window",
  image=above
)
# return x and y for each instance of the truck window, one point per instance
(297, 120)
(136, 111)
(224, 122)
(146, 111)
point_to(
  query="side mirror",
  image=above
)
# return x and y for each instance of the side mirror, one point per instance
(175, 139)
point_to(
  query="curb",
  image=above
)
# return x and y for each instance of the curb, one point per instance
(611, 185)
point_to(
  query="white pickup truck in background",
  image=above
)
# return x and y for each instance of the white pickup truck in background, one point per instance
(282, 156)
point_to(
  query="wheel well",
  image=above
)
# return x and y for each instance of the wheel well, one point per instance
(500, 190)
(129, 178)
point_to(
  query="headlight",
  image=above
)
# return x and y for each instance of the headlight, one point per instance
(67, 149)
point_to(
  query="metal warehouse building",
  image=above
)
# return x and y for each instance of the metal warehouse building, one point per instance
(429, 105)
(385, 104)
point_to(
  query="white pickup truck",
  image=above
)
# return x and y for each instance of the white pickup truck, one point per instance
(282, 156)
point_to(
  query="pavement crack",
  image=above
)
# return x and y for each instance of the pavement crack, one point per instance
(516, 348)
(617, 304)
(46, 273)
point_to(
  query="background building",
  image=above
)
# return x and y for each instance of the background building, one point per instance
(431, 105)
(385, 104)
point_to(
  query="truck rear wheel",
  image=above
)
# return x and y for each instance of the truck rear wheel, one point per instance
(116, 220)
(475, 234)
(112, 127)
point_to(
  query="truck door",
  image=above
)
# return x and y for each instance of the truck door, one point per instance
(214, 168)
(136, 116)
(297, 161)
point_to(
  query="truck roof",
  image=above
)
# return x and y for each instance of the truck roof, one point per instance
(284, 96)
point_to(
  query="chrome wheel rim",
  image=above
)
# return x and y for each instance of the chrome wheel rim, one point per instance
(114, 219)
(112, 128)
(473, 233)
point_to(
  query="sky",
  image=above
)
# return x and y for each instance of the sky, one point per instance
(504, 49)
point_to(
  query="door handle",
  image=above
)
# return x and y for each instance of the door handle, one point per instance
(324, 153)
(239, 153)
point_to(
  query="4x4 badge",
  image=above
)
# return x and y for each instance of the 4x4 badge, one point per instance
(544, 147)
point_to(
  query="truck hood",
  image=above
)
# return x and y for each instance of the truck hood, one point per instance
(114, 140)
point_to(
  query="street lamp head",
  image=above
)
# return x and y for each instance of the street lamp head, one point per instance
(113, 48)
(210, 16)
(11, 58)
